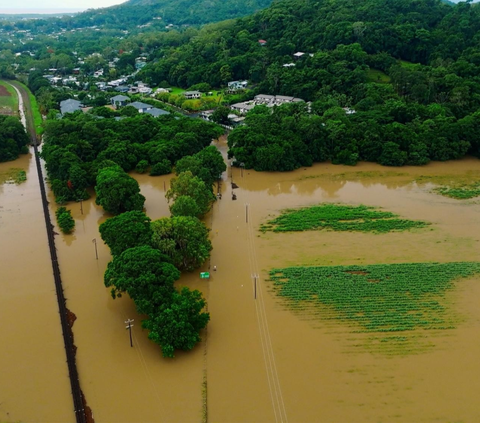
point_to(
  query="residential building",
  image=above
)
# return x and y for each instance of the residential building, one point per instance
(189, 95)
(237, 85)
(70, 106)
(141, 107)
(155, 112)
(243, 107)
(119, 100)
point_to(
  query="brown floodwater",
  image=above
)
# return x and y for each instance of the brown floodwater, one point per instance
(34, 384)
(263, 362)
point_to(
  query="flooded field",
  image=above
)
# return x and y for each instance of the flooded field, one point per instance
(263, 362)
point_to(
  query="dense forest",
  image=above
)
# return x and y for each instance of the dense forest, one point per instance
(395, 82)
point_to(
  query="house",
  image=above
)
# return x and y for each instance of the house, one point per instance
(189, 95)
(243, 107)
(141, 107)
(300, 54)
(288, 65)
(119, 100)
(155, 112)
(70, 106)
(237, 85)
(262, 42)
(122, 89)
(281, 99)
(264, 99)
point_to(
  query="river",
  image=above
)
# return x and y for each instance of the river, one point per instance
(263, 362)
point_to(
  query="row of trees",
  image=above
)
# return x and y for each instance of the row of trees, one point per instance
(393, 133)
(148, 256)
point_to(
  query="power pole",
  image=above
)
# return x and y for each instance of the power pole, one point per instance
(129, 327)
(255, 276)
(246, 212)
(94, 240)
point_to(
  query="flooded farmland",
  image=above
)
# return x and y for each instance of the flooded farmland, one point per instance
(263, 362)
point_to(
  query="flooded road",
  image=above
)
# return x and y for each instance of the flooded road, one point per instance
(264, 363)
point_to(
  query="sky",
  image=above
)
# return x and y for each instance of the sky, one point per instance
(47, 6)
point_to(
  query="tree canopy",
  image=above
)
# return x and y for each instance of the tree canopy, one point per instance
(13, 138)
(127, 230)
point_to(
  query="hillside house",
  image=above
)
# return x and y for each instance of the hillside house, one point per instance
(70, 106)
(190, 95)
(141, 107)
(155, 112)
(119, 101)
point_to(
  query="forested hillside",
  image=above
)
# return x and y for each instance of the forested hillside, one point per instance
(390, 81)
(177, 12)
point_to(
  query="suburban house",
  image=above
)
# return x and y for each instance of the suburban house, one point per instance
(155, 112)
(300, 54)
(189, 95)
(262, 42)
(237, 85)
(243, 107)
(265, 99)
(119, 100)
(70, 106)
(122, 89)
(141, 107)
(275, 100)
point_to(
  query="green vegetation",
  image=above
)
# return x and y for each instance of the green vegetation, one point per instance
(339, 217)
(127, 230)
(79, 145)
(65, 220)
(8, 103)
(375, 75)
(375, 298)
(13, 138)
(117, 192)
(182, 238)
(187, 185)
(460, 192)
(13, 176)
(37, 116)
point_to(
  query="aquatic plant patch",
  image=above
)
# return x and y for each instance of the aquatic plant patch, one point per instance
(375, 298)
(13, 176)
(464, 192)
(339, 217)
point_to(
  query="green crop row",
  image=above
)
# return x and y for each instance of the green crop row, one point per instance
(339, 217)
(376, 298)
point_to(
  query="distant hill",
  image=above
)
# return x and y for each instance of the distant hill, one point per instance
(177, 12)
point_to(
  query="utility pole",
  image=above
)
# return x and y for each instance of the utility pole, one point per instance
(246, 212)
(255, 285)
(129, 327)
(81, 206)
(94, 240)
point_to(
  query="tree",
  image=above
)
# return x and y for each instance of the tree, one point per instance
(13, 138)
(117, 192)
(65, 220)
(144, 273)
(127, 230)
(207, 164)
(194, 187)
(185, 206)
(184, 239)
(177, 322)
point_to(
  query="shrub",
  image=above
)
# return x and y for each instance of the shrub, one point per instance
(65, 220)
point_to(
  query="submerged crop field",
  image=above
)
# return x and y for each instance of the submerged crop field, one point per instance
(376, 298)
(339, 217)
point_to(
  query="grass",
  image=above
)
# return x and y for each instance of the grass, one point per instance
(464, 192)
(37, 116)
(339, 217)
(383, 298)
(9, 103)
(406, 64)
(375, 75)
(13, 176)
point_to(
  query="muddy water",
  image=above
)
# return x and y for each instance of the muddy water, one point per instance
(34, 385)
(263, 362)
